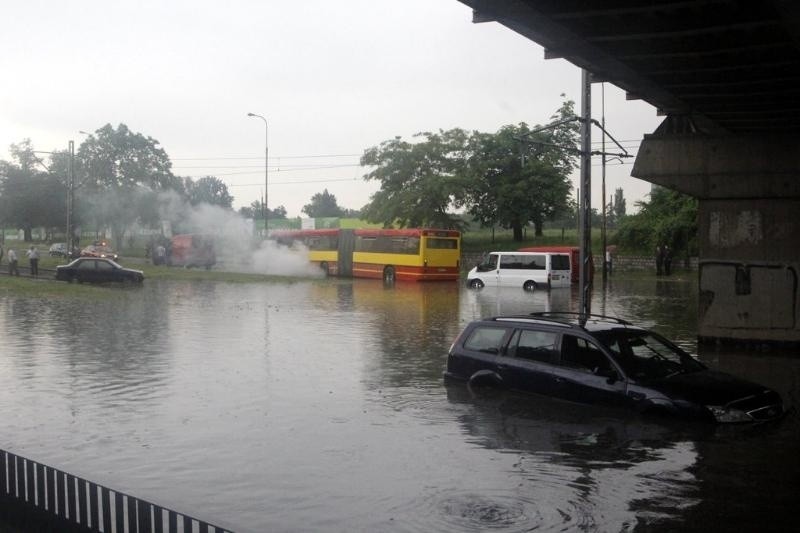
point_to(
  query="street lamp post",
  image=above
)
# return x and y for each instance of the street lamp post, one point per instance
(266, 169)
(70, 194)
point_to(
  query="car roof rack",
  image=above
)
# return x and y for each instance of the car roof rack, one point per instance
(577, 315)
(533, 320)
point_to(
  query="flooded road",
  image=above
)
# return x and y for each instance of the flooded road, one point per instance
(319, 406)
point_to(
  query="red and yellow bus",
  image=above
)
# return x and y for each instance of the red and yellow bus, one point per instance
(415, 254)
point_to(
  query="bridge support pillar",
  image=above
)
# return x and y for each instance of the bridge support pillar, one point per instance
(749, 228)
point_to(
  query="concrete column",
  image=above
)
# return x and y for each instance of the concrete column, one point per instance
(749, 228)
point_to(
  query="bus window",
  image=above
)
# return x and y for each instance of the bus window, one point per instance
(365, 244)
(444, 244)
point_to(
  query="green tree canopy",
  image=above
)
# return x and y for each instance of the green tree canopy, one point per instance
(516, 176)
(30, 196)
(121, 159)
(512, 178)
(115, 168)
(208, 190)
(669, 217)
(255, 211)
(323, 204)
(420, 181)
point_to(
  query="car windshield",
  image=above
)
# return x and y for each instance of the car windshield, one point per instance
(645, 356)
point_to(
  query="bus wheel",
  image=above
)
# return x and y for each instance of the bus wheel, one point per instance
(529, 286)
(475, 284)
(388, 275)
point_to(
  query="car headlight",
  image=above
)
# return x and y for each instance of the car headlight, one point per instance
(725, 415)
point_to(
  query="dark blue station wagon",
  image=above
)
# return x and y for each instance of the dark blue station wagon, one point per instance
(603, 360)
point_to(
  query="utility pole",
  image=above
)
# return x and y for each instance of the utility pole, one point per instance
(603, 195)
(264, 208)
(586, 187)
(70, 194)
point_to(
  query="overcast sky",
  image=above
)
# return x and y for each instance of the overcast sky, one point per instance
(332, 79)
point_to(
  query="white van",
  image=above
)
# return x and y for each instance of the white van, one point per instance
(529, 270)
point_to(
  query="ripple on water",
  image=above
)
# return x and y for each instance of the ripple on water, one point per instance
(461, 510)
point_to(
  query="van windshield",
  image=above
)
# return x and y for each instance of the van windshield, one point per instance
(488, 263)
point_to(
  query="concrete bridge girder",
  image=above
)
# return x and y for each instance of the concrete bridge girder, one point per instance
(749, 228)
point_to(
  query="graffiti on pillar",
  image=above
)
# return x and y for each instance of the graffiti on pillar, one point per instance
(726, 230)
(735, 295)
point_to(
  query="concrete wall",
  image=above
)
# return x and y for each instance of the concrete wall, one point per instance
(749, 270)
(749, 226)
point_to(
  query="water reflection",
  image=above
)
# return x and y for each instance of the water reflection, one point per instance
(319, 405)
(583, 467)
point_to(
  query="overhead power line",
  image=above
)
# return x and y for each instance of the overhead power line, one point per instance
(261, 158)
(271, 183)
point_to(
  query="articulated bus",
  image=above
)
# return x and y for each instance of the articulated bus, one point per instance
(388, 254)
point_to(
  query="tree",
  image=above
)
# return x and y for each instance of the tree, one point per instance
(616, 208)
(115, 167)
(208, 190)
(516, 176)
(619, 204)
(252, 211)
(323, 205)
(30, 197)
(255, 211)
(120, 159)
(420, 181)
(277, 213)
(669, 217)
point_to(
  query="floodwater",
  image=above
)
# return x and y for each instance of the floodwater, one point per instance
(319, 405)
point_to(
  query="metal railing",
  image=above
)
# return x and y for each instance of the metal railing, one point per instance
(41, 494)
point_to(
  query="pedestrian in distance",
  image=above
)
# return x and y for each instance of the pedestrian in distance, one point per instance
(659, 259)
(1, 253)
(609, 260)
(667, 261)
(13, 267)
(33, 259)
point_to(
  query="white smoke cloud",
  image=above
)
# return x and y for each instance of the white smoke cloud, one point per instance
(236, 246)
(274, 259)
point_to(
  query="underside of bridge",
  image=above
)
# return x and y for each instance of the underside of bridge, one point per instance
(725, 75)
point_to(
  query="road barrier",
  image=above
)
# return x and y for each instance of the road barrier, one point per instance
(37, 497)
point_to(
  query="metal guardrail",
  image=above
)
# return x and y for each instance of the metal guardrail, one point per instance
(58, 501)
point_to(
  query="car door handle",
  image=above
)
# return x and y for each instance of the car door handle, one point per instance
(636, 396)
(560, 380)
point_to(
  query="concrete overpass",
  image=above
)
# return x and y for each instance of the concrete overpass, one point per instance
(725, 74)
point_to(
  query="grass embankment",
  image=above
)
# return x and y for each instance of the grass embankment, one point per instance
(46, 286)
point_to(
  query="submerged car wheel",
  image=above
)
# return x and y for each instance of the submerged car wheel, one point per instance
(529, 286)
(475, 284)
